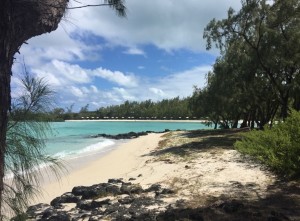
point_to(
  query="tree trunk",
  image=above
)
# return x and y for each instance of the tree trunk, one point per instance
(5, 67)
(285, 105)
(20, 20)
(6, 60)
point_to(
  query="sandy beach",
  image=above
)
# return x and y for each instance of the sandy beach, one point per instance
(201, 168)
(121, 162)
(217, 170)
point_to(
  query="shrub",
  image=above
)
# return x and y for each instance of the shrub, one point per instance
(278, 147)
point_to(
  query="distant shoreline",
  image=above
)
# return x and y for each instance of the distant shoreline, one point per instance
(139, 120)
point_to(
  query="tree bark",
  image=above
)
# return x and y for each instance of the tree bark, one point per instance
(5, 75)
(20, 20)
(5, 67)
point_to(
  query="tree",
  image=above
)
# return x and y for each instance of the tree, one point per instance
(202, 106)
(233, 92)
(25, 140)
(21, 20)
(271, 33)
(84, 109)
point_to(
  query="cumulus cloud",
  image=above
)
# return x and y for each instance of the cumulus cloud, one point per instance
(134, 51)
(157, 91)
(94, 89)
(124, 94)
(74, 72)
(181, 83)
(167, 24)
(82, 92)
(59, 45)
(116, 77)
(77, 92)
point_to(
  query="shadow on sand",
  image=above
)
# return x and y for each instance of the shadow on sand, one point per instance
(281, 203)
(206, 139)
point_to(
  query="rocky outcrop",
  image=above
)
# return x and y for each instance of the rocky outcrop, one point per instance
(114, 200)
(124, 201)
(129, 135)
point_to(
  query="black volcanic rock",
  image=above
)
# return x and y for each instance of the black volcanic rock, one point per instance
(115, 181)
(129, 135)
(90, 192)
(115, 200)
(90, 205)
(38, 209)
(127, 201)
(60, 216)
(65, 198)
(113, 190)
(128, 188)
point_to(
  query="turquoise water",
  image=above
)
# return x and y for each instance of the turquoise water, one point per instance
(73, 139)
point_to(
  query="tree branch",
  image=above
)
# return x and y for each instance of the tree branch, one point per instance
(85, 6)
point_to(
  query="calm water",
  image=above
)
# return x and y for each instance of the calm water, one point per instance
(72, 139)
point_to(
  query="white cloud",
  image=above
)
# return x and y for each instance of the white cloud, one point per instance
(173, 85)
(135, 51)
(124, 94)
(167, 24)
(116, 77)
(49, 76)
(157, 91)
(76, 91)
(94, 89)
(71, 72)
(86, 92)
(59, 45)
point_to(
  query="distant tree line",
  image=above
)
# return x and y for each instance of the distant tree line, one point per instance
(175, 108)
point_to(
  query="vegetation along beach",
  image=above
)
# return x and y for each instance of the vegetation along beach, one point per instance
(136, 110)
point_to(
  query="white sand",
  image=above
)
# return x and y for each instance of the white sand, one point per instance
(116, 164)
(212, 173)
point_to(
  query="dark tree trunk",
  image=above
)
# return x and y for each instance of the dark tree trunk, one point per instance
(285, 106)
(6, 60)
(236, 121)
(5, 67)
(20, 20)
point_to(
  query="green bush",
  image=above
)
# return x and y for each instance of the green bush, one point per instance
(278, 147)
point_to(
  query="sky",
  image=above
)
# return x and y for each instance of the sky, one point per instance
(97, 58)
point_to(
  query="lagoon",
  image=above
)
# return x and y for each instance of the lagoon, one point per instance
(72, 139)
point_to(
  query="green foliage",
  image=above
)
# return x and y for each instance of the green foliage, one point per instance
(26, 133)
(174, 108)
(257, 75)
(278, 147)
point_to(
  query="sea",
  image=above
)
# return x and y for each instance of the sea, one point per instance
(73, 139)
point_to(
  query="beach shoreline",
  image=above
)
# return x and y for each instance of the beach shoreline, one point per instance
(139, 120)
(157, 175)
(124, 158)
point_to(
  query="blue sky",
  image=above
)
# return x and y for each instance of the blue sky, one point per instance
(97, 58)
